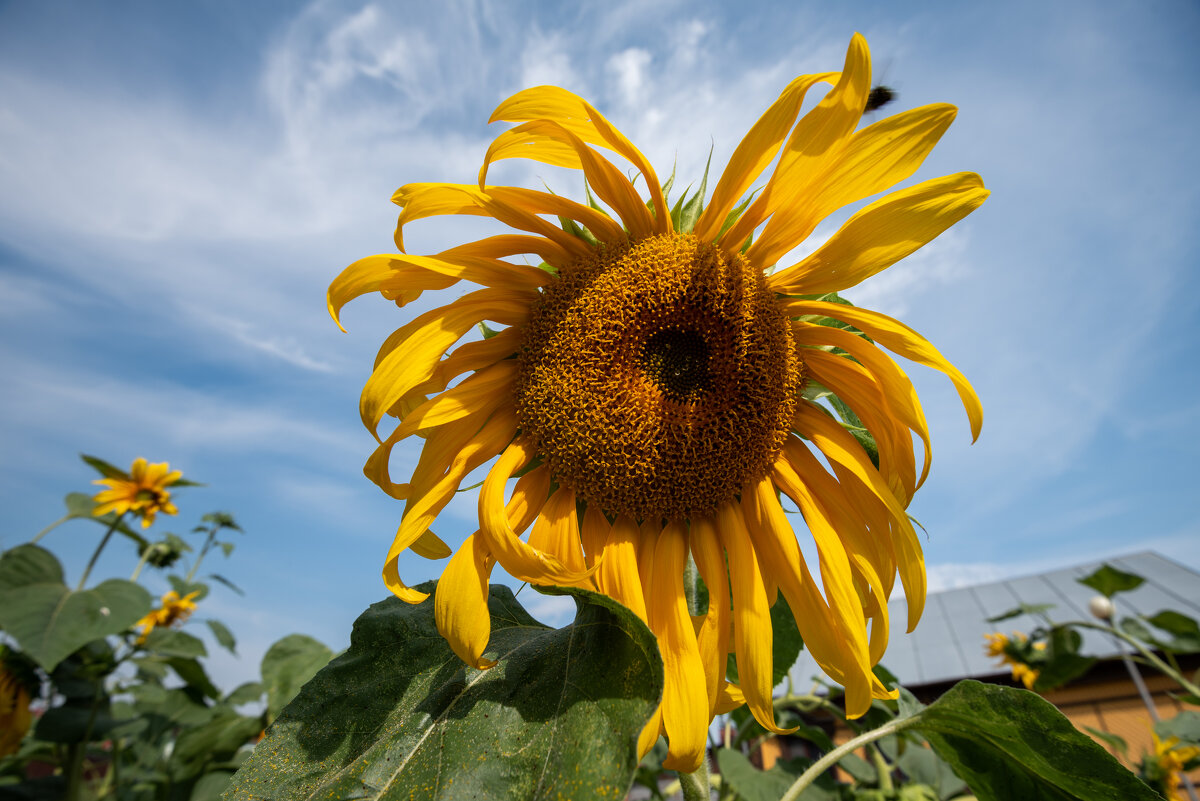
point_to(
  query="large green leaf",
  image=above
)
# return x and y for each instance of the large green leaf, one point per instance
(1108, 581)
(50, 620)
(287, 665)
(399, 716)
(1010, 745)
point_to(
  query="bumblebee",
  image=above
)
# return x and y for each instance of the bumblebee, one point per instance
(879, 97)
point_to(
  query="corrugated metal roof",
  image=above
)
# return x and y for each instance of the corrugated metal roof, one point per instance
(948, 644)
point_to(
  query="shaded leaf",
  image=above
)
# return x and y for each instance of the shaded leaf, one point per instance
(246, 693)
(223, 635)
(1011, 744)
(924, 766)
(1023, 609)
(69, 723)
(183, 587)
(1185, 725)
(287, 665)
(1108, 581)
(1062, 662)
(750, 783)
(193, 675)
(398, 713)
(1113, 741)
(48, 619)
(169, 642)
(210, 786)
(104, 468)
(226, 582)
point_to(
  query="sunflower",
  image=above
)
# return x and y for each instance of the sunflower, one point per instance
(142, 491)
(1000, 646)
(173, 610)
(1172, 758)
(18, 685)
(653, 388)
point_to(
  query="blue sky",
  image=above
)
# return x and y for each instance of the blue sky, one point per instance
(180, 182)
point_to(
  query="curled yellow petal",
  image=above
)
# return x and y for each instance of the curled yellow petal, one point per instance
(460, 607)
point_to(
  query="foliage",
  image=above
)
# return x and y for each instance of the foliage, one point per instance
(124, 707)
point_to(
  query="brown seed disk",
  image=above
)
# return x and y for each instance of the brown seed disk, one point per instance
(658, 378)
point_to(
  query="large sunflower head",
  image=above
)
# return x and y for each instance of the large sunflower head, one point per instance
(142, 491)
(661, 383)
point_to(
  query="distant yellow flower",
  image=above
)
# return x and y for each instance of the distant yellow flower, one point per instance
(173, 610)
(649, 389)
(143, 492)
(997, 645)
(1172, 756)
(14, 711)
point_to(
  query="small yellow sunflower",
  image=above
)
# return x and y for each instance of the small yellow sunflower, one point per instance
(1172, 756)
(997, 646)
(15, 717)
(652, 387)
(143, 491)
(173, 610)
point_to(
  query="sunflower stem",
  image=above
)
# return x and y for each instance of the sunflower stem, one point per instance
(87, 571)
(696, 785)
(830, 759)
(49, 528)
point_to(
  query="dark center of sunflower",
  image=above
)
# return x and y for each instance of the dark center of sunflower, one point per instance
(677, 361)
(658, 378)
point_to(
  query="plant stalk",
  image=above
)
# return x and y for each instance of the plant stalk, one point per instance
(87, 571)
(830, 759)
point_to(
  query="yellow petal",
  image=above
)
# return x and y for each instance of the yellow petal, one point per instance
(756, 150)
(685, 708)
(816, 144)
(824, 635)
(650, 733)
(898, 338)
(882, 234)
(729, 698)
(505, 245)
(713, 637)
(898, 392)
(556, 531)
(609, 184)
(422, 509)
(577, 116)
(522, 561)
(414, 359)
(482, 391)
(873, 160)
(843, 451)
(617, 575)
(460, 607)
(752, 633)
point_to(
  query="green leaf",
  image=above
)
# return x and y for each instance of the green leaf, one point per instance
(1062, 662)
(786, 642)
(210, 786)
(213, 741)
(399, 714)
(104, 468)
(246, 693)
(226, 582)
(862, 770)
(69, 723)
(193, 675)
(169, 642)
(223, 635)
(1010, 744)
(80, 505)
(694, 589)
(1108, 581)
(48, 619)
(923, 766)
(1115, 742)
(750, 783)
(227, 547)
(183, 587)
(1185, 725)
(1186, 639)
(1024, 609)
(287, 665)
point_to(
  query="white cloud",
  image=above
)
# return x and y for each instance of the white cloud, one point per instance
(628, 69)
